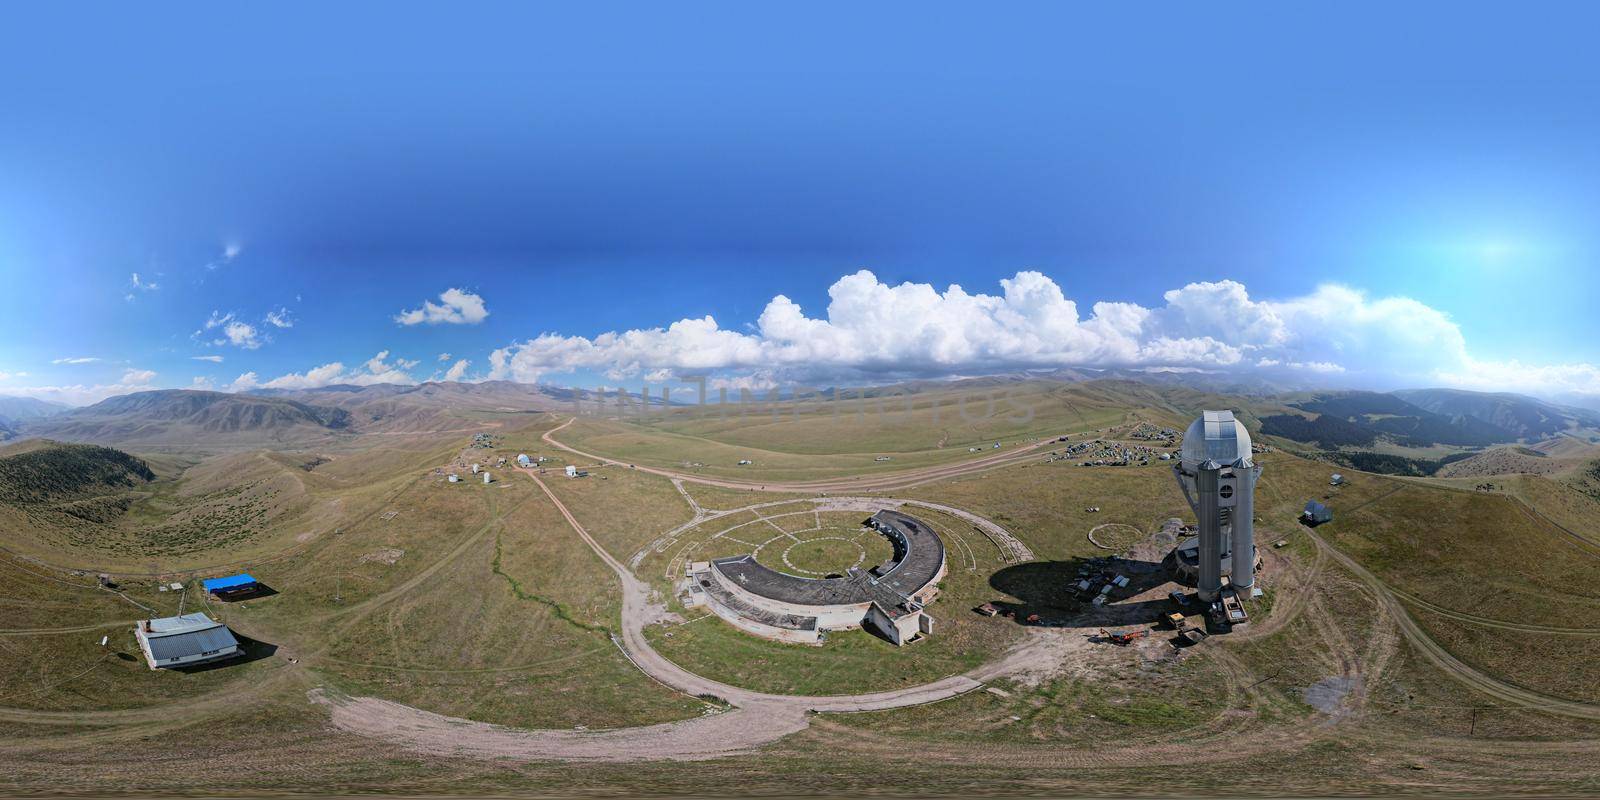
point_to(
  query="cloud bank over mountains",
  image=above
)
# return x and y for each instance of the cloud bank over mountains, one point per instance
(1334, 335)
(871, 331)
(378, 369)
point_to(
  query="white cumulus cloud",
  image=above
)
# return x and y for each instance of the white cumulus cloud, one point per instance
(242, 334)
(455, 307)
(874, 330)
(132, 380)
(233, 331)
(1577, 380)
(280, 318)
(457, 370)
(244, 383)
(377, 369)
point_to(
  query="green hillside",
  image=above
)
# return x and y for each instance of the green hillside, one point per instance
(63, 472)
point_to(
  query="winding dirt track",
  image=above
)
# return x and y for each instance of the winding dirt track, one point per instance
(1442, 659)
(756, 718)
(865, 483)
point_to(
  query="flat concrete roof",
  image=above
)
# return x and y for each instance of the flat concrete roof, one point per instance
(744, 609)
(918, 565)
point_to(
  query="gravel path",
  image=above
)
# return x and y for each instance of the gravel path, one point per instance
(857, 483)
(754, 719)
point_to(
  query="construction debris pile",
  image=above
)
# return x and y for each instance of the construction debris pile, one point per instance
(1102, 453)
(1151, 433)
(1097, 580)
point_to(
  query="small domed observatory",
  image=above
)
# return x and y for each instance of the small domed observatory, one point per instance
(1218, 478)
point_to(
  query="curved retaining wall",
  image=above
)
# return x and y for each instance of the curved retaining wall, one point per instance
(835, 617)
(764, 630)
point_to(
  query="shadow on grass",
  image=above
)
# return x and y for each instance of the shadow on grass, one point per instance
(1047, 589)
(259, 591)
(249, 650)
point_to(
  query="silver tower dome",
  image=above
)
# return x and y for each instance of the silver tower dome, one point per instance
(1214, 436)
(1218, 479)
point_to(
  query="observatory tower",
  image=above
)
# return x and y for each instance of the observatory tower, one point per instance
(1219, 481)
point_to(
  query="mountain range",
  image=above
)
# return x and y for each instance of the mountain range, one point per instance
(193, 417)
(1328, 420)
(18, 411)
(1424, 418)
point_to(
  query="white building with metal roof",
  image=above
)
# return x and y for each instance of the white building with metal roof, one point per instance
(185, 641)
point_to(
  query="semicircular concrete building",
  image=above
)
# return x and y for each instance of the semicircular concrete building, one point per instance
(888, 599)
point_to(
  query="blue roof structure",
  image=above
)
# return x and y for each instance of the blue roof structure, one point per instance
(230, 582)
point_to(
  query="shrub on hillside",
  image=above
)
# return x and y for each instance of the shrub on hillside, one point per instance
(68, 471)
(1328, 432)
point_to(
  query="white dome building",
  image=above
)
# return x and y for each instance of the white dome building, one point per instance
(1214, 436)
(1218, 479)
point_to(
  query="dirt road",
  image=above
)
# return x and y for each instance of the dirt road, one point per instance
(870, 483)
(1441, 658)
(754, 719)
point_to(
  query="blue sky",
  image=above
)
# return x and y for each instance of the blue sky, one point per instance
(652, 163)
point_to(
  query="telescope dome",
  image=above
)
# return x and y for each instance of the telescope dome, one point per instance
(1215, 436)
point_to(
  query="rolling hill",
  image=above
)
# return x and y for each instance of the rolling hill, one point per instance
(212, 420)
(17, 411)
(1524, 417)
(181, 416)
(432, 406)
(488, 395)
(1334, 420)
(66, 502)
(1409, 424)
(56, 472)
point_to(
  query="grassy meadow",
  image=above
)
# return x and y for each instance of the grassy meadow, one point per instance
(481, 602)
